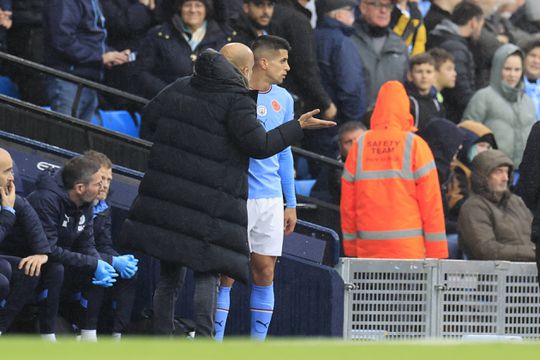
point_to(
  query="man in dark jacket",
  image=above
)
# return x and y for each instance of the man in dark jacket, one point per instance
(23, 246)
(291, 21)
(528, 186)
(438, 11)
(75, 42)
(123, 292)
(383, 53)
(64, 203)
(495, 224)
(253, 21)
(191, 209)
(453, 36)
(341, 68)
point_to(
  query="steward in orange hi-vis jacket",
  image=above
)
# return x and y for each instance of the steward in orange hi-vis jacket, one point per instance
(391, 203)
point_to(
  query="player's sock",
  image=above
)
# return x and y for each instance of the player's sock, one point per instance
(222, 311)
(262, 307)
(88, 335)
(49, 337)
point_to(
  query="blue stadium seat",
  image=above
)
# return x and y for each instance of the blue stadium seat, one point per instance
(120, 121)
(8, 87)
(303, 187)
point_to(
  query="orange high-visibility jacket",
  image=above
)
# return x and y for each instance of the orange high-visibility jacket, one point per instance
(391, 204)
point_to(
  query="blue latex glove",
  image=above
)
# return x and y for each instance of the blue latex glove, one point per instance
(104, 274)
(125, 265)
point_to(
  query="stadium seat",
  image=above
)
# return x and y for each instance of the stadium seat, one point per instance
(120, 121)
(8, 87)
(303, 187)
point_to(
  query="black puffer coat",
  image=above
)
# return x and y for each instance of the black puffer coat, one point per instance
(191, 208)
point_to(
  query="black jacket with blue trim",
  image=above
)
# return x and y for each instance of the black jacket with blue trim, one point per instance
(69, 229)
(21, 234)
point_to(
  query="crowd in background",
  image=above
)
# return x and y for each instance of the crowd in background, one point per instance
(471, 68)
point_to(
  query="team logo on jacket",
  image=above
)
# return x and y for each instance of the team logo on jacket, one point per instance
(276, 105)
(261, 110)
(66, 221)
(82, 220)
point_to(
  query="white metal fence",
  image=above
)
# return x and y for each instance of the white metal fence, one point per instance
(394, 299)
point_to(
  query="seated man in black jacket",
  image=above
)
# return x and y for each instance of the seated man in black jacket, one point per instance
(63, 201)
(123, 292)
(23, 250)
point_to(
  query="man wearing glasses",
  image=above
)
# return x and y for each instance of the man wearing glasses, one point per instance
(383, 53)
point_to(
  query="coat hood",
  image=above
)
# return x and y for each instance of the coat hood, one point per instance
(482, 165)
(532, 9)
(392, 109)
(51, 180)
(215, 73)
(473, 132)
(444, 139)
(495, 81)
(445, 27)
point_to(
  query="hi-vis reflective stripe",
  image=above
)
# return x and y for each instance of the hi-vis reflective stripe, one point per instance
(435, 236)
(404, 173)
(383, 235)
(347, 175)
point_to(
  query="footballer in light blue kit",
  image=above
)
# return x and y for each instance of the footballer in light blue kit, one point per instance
(269, 180)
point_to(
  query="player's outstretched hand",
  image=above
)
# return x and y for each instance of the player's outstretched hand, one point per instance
(307, 121)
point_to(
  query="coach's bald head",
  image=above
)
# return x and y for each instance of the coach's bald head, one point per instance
(240, 56)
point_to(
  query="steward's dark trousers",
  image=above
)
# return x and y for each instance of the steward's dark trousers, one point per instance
(22, 291)
(5, 276)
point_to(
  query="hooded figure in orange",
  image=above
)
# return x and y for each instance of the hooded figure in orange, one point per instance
(391, 204)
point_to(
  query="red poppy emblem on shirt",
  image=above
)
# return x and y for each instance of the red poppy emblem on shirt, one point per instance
(275, 105)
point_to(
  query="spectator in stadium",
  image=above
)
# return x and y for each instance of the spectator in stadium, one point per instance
(203, 226)
(63, 201)
(75, 42)
(269, 180)
(341, 67)
(445, 72)
(383, 53)
(421, 90)
(493, 223)
(531, 67)
(503, 106)
(453, 36)
(24, 251)
(127, 23)
(528, 186)
(291, 21)
(123, 292)
(253, 21)
(407, 23)
(527, 17)
(391, 204)
(5, 22)
(328, 185)
(25, 39)
(170, 50)
(439, 11)
(444, 139)
(477, 139)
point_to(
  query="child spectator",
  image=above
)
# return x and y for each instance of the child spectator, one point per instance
(445, 71)
(421, 90)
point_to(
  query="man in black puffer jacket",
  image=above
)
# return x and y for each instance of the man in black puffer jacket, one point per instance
(191, 209)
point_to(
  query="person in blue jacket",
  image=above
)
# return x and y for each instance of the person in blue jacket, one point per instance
(123, 292)
(24, 250)
(342, 73)
(63, 201)
(75, 42)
